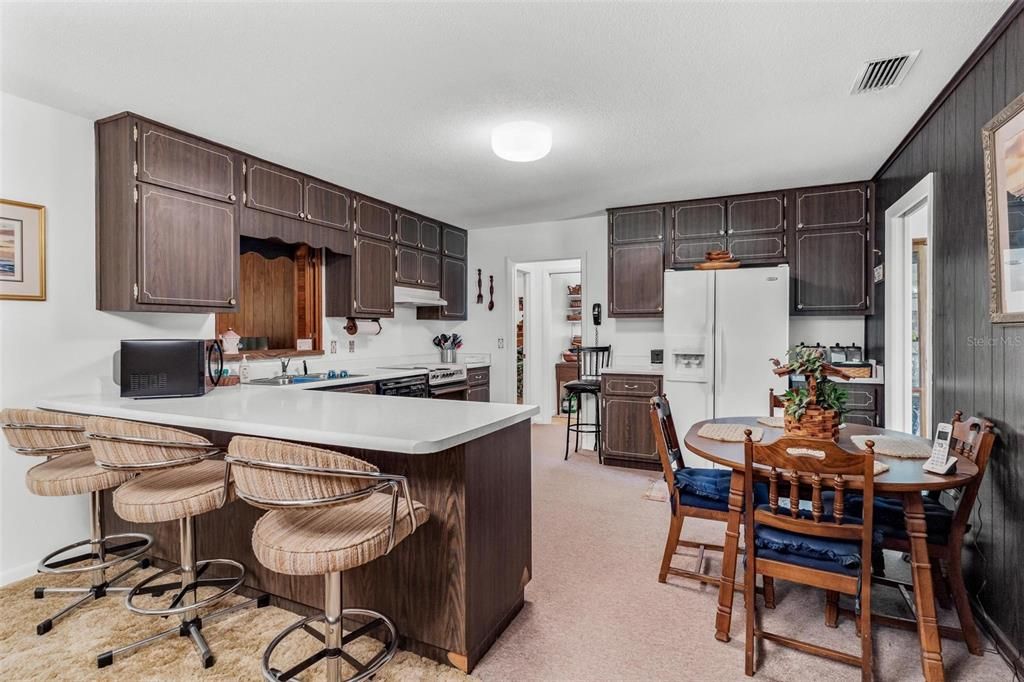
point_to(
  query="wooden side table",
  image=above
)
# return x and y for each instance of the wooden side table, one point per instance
(564, 373)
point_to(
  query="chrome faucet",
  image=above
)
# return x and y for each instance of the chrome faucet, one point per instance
(284, 365)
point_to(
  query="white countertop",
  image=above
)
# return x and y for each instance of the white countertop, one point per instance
(634, 369)
(373, 422)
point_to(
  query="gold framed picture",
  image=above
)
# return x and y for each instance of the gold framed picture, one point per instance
(1002, 139)
(22, 251)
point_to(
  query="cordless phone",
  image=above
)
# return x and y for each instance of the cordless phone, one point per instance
(940, 462)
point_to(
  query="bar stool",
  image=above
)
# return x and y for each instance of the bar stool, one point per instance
(329, 513)
(590, 360)
(178, 482)
(69, 470)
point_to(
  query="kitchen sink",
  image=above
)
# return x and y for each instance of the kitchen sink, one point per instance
(287, 379)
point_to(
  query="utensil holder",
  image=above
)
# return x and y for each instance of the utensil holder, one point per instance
(447, 355)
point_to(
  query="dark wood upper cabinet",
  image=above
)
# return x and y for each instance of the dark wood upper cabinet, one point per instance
(829, 273)
(762, 249)
(698, 219)
(636, 280)
(831, 207)
(430, 236)
(756, 214)
(177, 161)
(374, 283)
(274, 189)
(454, 284)
(407, 229)
(328, 205)
(374, 218)
(187, 250)
(430, 270)
(642, 224)
(414, 267)
(454, 242)
(689, 251)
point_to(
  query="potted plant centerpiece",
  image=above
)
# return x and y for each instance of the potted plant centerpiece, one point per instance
(815, 409)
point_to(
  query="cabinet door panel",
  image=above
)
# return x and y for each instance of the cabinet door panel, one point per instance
(831, 207)
(327, 205)
(184, 163)
(860, 398)
(430, 270)
(766, 249)
(374, 219)
(187, 249)
(756, 214)
(863, 418)
(407, 265)
(407, 229)
(698, 219)
(479, 394)
(373, 280)
(273, 189)
(636, 274)
(830, 271)
(689, 251)
(430, 236)
(454, 243)
(636, 225)
(626, 428)
(453, 288)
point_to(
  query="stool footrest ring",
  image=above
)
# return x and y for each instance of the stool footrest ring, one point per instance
(363, 670)
(133, 544)
(146, 587)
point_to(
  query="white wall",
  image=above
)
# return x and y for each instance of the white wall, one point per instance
(62, 344)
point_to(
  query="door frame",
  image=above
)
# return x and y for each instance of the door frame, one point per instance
(897, 274)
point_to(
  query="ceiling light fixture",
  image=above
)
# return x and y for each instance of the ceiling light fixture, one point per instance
(521, 141)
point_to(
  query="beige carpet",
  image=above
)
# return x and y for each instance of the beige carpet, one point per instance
(595, 610)
(69, 651)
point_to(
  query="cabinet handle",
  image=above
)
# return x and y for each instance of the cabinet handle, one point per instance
(721, 232)
(231, 197)
(232, 301)
(731, 231)
(799, 226)
(631, 386)
(302, 215)
(799, 306)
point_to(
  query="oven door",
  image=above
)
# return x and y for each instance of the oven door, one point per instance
(450, 392)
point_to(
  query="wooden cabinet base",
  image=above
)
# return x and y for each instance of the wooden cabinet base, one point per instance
(450, 590)
(646, 465)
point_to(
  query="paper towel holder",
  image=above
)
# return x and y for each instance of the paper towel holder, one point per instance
(371, 328)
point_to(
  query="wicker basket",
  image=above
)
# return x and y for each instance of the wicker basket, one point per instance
(815, 423)
(857, 372)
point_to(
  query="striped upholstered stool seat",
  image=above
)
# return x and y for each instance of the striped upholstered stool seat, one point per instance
(320, 541)
(173, 494)
(73, 474)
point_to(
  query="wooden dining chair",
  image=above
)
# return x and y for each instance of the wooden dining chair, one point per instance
(974, 439)
(822, 546)
(692, 493)
(774, 402)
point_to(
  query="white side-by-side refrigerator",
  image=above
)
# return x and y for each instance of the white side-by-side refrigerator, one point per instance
(721, 329)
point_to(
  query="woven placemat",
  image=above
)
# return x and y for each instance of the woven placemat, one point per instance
(880, 467)
(893, 446)
(732, 433)
(774, 422)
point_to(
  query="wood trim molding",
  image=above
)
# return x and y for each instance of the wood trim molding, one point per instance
(1013, 657)
(997, 30)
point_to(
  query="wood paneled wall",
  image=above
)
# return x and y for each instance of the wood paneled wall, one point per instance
(979, 366)
(266, 302)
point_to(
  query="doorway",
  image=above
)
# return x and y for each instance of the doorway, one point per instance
(547, 315)
(908, 310)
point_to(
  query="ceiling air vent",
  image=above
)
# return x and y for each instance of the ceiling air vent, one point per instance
(879, 74)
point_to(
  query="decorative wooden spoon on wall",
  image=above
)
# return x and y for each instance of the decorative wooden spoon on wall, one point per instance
(479, 286)
(490, 304)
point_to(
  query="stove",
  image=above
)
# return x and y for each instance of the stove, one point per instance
(439, 374)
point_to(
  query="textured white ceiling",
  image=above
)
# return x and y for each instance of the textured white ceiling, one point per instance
(648, 102)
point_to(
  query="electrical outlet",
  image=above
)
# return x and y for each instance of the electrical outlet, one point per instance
(501, 342)
(334, 345)
(352, 346)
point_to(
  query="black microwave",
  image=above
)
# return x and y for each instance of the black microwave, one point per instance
(169, 368)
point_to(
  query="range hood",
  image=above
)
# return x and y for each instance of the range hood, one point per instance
(418, 297)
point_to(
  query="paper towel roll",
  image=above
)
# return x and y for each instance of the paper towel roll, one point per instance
(363, 327)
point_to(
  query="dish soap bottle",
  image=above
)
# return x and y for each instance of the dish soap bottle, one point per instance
(243, 370)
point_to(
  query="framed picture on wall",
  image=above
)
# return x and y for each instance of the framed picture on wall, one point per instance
(22, 251)
(1002, 139)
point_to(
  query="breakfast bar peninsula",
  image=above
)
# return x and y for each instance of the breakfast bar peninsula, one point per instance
(455, 584)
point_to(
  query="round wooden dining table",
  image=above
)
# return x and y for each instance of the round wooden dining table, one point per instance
(905, 478)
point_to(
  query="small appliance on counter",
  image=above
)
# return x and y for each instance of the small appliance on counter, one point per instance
(657, 356)
(168, 368)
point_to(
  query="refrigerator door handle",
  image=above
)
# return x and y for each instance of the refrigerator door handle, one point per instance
(718, 360)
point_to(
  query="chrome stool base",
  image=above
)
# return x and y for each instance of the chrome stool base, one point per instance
(150, 586)
(334, 656)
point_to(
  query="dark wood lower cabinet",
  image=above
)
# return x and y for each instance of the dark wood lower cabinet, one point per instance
(626, 436)
(368, 388)
(187, 250)
(479, 385)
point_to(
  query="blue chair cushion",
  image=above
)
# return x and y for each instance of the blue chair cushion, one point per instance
(889, 519)
(709, 488)
(837, 556)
